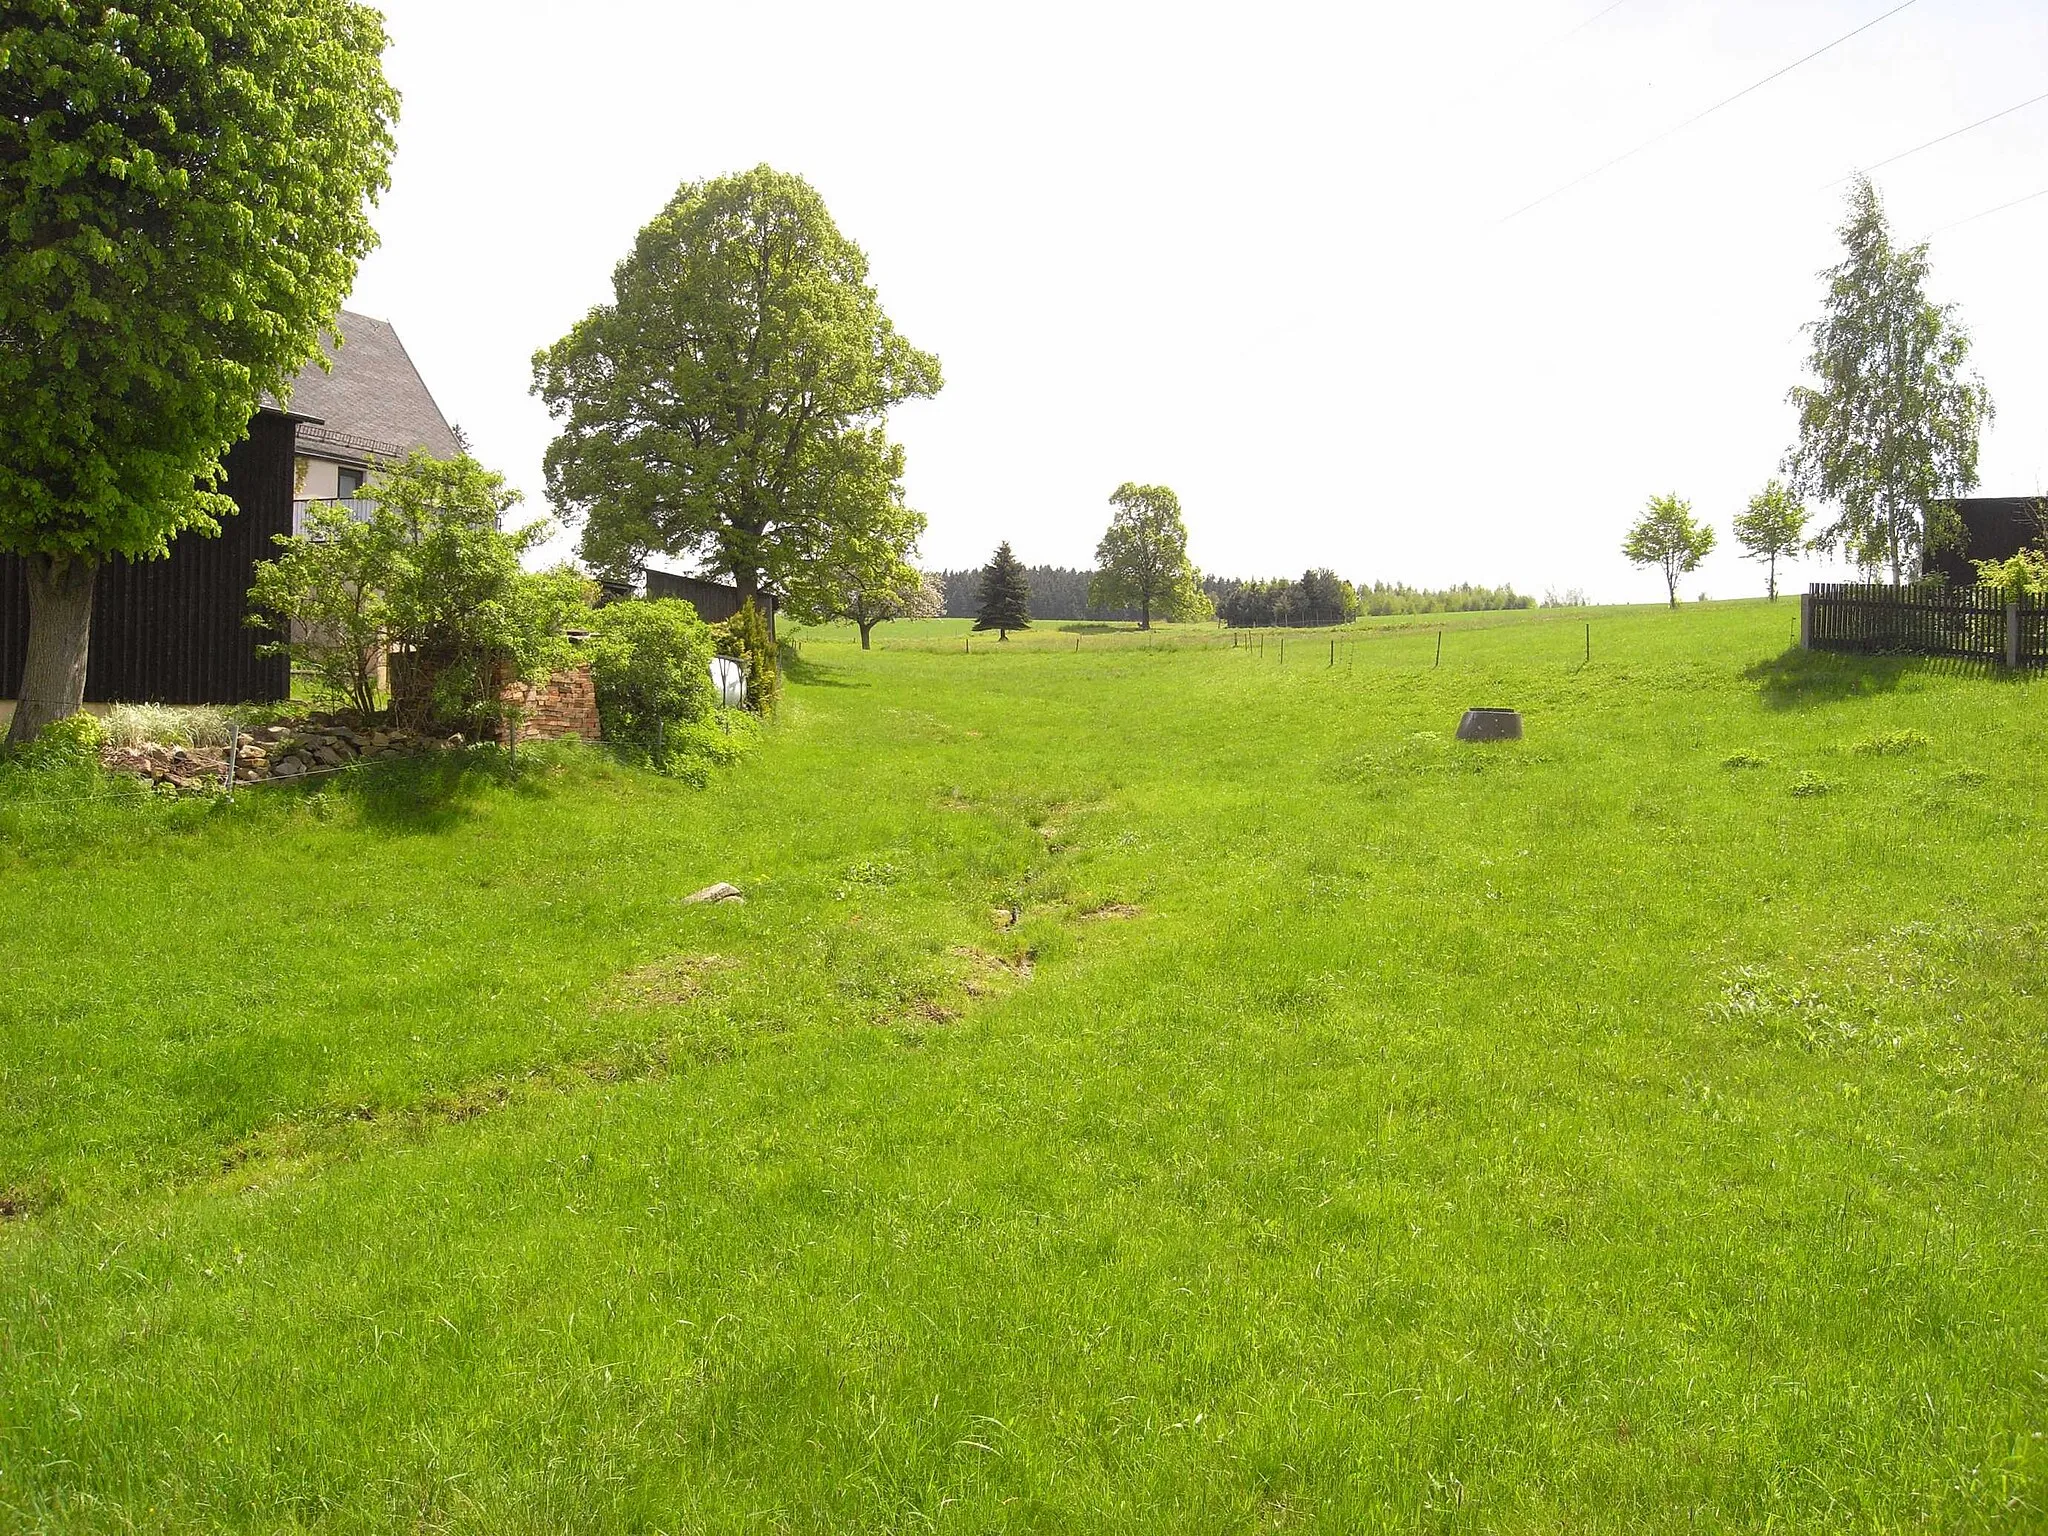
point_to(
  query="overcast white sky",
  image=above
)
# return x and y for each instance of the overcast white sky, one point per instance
(1257, 252)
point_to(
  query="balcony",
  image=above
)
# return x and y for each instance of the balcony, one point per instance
(358, 508)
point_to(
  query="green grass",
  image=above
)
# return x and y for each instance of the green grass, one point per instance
(1355, 1130)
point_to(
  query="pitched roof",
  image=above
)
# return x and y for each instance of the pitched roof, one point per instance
(374, 403)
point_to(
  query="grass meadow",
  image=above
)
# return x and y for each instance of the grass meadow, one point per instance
(1151, 1085)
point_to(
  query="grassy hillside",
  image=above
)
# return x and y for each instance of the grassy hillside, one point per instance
(1638, 1127)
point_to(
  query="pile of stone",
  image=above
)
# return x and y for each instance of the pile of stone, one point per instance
(188, 769)
(327, 742)
(316, 744)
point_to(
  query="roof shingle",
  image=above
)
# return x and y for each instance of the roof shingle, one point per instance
(374, 403)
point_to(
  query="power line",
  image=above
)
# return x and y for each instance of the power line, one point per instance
(1973, 218)
(1905, 154)
(1597, 15)
(1730, 101)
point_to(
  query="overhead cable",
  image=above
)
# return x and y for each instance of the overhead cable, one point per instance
(1973, 218)
(1777, 74)
(1906, 154)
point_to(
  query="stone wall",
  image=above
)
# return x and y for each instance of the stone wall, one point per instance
(565, 705)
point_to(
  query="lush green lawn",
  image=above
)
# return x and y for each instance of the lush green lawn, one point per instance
(1356, 1131)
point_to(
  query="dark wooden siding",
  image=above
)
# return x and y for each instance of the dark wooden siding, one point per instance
(1994, 528)
(171, 631)
(714, 601)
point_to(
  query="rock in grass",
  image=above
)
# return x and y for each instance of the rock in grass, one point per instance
(719, 892)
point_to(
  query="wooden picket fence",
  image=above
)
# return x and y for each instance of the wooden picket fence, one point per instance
(1924, 620)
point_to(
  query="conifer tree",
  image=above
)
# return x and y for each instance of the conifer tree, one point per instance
(1005, 594)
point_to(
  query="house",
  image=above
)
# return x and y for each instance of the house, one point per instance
(175, 631)
(1994, 528)
(372, 408)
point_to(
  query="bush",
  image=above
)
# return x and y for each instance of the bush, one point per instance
(744, 638)
(430, 578)
(651, 662)
(71, 743)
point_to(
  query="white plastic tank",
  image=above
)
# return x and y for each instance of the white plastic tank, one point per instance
(730, 682)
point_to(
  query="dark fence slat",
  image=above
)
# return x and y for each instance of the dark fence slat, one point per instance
(1919, 620)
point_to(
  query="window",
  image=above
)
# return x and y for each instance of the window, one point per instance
(348, 483)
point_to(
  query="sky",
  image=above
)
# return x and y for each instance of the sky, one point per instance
(1267, 255)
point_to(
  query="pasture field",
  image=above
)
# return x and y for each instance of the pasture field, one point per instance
(1639, 1127)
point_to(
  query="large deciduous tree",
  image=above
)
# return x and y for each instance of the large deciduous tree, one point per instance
(1005, 594)
(1142, 561)
(184, 191)
(862, 572)
(1888, 432)
(1668, 537)
(1770, 528)
(713, 409)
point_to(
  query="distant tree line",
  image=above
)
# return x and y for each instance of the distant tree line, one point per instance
(1380, 598)
(1315, 597)
(1057, 592)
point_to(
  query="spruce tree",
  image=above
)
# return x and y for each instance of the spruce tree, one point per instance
(1005, 594)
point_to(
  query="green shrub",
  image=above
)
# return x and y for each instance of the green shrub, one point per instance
(1892, 744)
(70, 744)
(1745, 760)
(744, 638)
(1810, 785)
(651, 662)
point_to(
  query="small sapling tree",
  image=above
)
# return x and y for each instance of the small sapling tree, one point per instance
(1005, 594)
(432, 577)
(862, 572)
(328, 592)
(1142, 561)
(185, 188)
(1668, 537)
(1771, 527)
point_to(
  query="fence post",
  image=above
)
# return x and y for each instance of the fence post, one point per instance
(2012, 634)
(1806, 621)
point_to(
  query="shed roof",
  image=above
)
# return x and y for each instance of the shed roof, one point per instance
(373, 404)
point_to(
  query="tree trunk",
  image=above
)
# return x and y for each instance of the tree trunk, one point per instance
(1002, 634)
(865, 630)
(1145, 610)
(59, 632)
(1671, 584)
(1772, 588)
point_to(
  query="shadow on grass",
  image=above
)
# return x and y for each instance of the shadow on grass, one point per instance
(1796, 679)
(1098, 627)
(431, 794)
(811, 674)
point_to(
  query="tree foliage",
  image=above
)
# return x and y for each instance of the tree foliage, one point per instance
(863, 571)
(184, 193)
(1320, 596)
(1771, 527)
(720, 405)
(1142, 561)
(1888, 432)
(446, 591)
(1668, 537)
(651, 663)
(1005, 594)
(327, 591)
